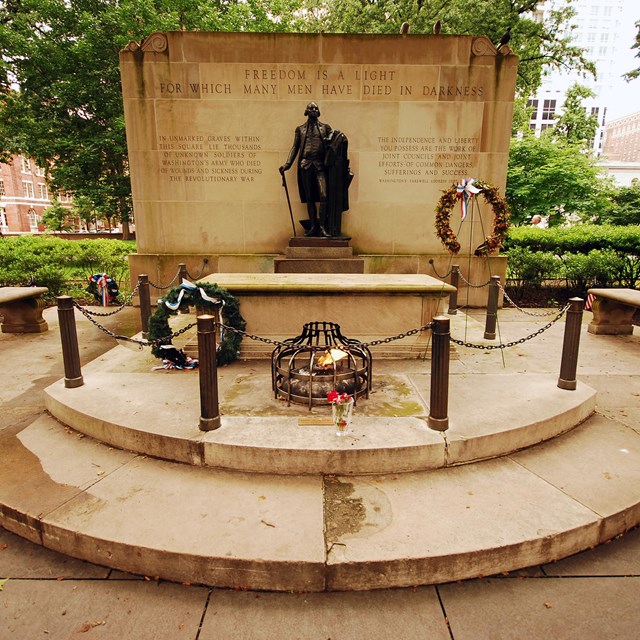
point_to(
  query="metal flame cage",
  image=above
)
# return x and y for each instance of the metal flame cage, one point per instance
(304, 372)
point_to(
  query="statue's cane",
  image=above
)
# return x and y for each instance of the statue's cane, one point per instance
(286, 190)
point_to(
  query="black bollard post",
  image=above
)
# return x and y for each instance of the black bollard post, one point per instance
(453, 298)
(492, 309)
(439, 401)
(209, 411)
(571, 345)
(145, 303)
(69, 339)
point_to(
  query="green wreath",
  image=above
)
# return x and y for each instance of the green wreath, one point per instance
(192, 297)
(501, 216)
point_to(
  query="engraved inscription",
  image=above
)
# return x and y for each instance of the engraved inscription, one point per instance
(210, 158)
(369, 82)
(425, 159)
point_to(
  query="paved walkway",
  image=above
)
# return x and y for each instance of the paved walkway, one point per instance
(592, 595)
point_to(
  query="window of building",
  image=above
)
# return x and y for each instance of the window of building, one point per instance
(27, 189)
(33, 219)
(548, 109)
(26, 165)
(608, 11)
(2, 192)
(3, 219)
(532, 107)
(43, 192)
(40, 172)
(544, 127)
(595, 111)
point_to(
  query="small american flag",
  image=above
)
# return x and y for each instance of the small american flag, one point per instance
(589, 302)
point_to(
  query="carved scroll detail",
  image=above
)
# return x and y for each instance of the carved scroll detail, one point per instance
(482, 46)
(156, 42)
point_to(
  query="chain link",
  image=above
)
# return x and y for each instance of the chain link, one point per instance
(442, 277)
(127, 302)
(491, 347)
(141, 343)
(156, 286)
(473, 286)
(540, 314)
(204, 266)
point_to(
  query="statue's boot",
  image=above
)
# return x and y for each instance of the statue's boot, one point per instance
(314, 227)
(322, 231)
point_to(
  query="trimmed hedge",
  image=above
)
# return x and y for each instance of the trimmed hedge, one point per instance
(61, 265)
(584, 256)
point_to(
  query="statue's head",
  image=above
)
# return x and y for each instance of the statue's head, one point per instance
(312, 110)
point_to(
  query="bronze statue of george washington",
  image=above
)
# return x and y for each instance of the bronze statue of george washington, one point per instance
(323, 174)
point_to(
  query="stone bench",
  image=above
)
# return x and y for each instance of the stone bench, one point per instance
(21, 309)
(613, 311)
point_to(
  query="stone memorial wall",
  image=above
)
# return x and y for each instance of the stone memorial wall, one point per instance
(211, 116)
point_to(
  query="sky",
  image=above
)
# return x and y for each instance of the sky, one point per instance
(626, 96)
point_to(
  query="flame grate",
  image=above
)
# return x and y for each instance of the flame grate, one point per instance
(317, 361)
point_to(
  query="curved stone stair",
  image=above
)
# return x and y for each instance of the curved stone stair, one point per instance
(328, 530)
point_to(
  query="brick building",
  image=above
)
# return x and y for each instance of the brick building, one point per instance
(622, 139)
(24, 196)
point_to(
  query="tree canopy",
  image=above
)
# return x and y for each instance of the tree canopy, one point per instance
(575, 125)
(555, 179)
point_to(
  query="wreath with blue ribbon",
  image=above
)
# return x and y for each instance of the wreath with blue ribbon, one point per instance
(211, 299)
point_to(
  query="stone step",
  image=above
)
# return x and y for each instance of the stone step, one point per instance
(318, 265)
(158, 413)
(318, 532)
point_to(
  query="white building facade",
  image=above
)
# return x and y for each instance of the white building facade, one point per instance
(605, 29)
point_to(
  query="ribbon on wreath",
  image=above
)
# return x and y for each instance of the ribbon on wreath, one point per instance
(465, 191)
(185, 286)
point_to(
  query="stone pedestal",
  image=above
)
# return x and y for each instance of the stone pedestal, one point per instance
(318, 255)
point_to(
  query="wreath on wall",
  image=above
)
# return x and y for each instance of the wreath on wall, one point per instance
(209, 298)
(462, 193)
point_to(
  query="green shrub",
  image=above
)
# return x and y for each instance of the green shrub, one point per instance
(527, 267)
(592, 255)
(594, 269)
(578, 239)
(63, 265)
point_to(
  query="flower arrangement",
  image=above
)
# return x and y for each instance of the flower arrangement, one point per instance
(501, 216)
(341, 410)
(338, 398)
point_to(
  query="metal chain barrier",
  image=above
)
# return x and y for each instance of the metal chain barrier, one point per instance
(491, 347)
(168, 286)
(372, 343)
(279, 343)
(127, 302)
(141, 343)
(540, 314)
(474, 286)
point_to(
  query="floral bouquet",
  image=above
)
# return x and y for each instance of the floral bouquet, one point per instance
(342, 411)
